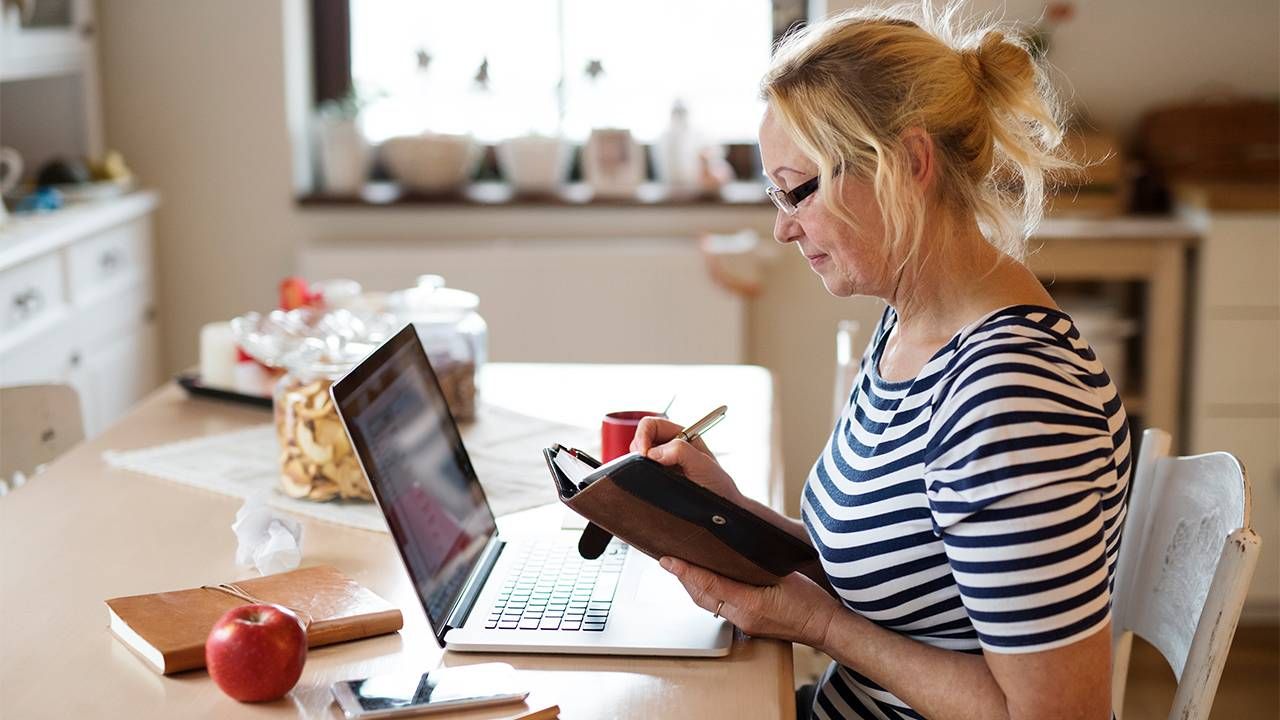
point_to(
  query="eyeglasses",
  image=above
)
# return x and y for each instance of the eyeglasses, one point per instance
(789, 202)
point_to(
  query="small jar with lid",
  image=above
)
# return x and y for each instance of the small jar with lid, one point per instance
(454, 334)
(315, 348)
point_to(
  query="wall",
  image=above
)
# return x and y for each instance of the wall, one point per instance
(195, 96)
(1116, 59)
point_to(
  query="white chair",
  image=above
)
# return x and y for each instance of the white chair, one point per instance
(1186, 559)
(37, 424)
(848, 361)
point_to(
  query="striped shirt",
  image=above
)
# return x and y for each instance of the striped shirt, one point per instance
(977, 507)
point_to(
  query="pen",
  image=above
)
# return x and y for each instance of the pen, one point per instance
(694, 431)
(584, 457)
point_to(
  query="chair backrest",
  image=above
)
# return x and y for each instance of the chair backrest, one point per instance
(1186, 559)
(848, 361)
(37, 423)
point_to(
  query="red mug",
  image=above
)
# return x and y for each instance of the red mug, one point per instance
(617, 431)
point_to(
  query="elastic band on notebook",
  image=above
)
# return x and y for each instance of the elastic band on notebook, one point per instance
(237, 591)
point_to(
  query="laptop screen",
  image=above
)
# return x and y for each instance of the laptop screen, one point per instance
(409, 445)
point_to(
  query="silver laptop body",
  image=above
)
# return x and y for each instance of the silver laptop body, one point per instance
(479, 592)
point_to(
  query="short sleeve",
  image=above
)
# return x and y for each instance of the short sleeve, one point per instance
(1019, 459)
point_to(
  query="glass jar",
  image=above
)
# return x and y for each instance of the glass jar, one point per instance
(315, 348)
(316, 459)
(453, 333)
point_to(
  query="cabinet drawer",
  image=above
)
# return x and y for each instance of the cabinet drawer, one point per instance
(1239, 258)
(1253, 441)
(109, 258)
(29, 292)
(44, 358)
(1237, 362)
(119, 312)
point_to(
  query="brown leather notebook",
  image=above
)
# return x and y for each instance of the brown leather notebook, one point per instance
(658, 511)
(168, 629)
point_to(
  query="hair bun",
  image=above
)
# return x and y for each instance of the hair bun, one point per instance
(996, 61)
(978, 60)
(992, 44)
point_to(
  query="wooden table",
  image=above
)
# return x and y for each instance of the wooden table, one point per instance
(82, 532)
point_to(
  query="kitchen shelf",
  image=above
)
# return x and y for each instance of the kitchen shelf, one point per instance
(499, 194)
(32, 53)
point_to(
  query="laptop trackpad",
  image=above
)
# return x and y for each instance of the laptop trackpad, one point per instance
(657, 586)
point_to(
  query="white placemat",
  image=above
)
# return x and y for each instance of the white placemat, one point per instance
(505, 449)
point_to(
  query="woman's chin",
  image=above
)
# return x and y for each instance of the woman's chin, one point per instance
(838, 286)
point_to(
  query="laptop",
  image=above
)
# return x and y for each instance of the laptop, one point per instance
(481, 593)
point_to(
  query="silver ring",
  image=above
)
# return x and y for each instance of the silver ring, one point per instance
(717, 612)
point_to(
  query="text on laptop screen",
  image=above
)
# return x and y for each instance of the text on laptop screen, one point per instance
(414, 457)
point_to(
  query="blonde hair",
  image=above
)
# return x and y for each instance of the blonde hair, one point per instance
(846, 89)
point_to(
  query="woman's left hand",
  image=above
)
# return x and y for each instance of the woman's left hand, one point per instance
(796, 609)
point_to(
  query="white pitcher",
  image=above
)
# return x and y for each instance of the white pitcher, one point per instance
(10, 172)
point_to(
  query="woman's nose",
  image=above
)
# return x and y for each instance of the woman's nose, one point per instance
(785, 228)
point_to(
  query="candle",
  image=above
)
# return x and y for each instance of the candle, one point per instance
(217, 355)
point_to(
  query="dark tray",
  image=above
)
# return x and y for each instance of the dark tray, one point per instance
(190, 381)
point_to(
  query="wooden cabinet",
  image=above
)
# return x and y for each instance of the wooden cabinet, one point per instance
(92, 322)
(1152, 255)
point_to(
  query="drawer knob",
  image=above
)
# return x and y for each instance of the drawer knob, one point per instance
(109, 261)
(28, 303)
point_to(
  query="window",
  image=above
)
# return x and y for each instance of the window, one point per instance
(503, 68)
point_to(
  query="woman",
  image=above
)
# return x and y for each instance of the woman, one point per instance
(968, 505)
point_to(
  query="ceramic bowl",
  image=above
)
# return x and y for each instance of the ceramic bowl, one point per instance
(535, 164)
(431, 162)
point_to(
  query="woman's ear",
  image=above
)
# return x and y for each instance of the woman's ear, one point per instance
(920, 153)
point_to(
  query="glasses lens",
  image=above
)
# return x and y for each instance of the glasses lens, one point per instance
(780, 199)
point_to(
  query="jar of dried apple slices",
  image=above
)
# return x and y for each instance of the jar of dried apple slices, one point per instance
(316, 459)
(315, 348)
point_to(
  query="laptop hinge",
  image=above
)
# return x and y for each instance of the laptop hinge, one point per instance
(471, 589)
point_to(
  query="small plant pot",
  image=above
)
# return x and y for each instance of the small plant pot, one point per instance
(344, 156)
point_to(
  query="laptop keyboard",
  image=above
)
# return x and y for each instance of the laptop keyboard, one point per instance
(551, 587)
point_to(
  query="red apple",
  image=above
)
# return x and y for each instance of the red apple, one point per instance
(255, 652)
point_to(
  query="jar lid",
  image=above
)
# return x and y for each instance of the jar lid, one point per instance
(430, 301)
(310, 340)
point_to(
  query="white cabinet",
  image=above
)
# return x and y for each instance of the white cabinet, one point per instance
(94, 325)
(117, 374)
(1235, 370)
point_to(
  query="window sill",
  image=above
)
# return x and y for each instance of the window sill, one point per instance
(498, 194)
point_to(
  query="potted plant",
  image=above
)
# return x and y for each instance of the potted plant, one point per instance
(342, 148)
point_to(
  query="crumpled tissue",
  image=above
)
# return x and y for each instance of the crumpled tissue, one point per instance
(272, 543)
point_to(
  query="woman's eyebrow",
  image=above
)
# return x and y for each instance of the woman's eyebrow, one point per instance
(784, 168)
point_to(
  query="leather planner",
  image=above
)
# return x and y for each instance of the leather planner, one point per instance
(660, 512)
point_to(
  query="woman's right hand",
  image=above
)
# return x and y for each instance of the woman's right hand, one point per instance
(655, 439)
